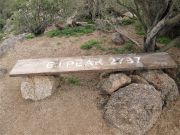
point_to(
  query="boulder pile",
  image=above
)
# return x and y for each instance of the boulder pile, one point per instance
(131, 102)
(136, 101)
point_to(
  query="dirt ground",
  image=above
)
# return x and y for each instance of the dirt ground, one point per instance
(72, 110)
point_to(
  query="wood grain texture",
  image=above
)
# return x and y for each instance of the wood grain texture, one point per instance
(101, 63)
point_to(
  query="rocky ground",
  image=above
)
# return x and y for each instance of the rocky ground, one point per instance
(72, 110)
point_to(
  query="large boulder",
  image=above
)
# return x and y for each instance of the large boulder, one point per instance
(114, 82)
(118, 38)
(134, 109)
(10, 42)
(162, 82)
(38, 87)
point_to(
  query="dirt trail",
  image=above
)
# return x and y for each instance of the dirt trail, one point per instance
(72, 110)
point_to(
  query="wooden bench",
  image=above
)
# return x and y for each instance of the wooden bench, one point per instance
(101, 63)
(92, 63)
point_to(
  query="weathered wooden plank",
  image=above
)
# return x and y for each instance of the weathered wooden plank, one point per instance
(92, 63)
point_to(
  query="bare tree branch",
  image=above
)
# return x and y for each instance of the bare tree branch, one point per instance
(173, 43)
(173, 20)
(139, 16)
(127, 7)
(126, 35)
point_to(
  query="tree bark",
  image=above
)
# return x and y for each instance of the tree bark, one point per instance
(150, 44)
(150, 39)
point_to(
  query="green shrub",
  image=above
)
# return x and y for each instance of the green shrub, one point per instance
(35, 15)
(53, 33)
(90, 44)
(73, 80)
(127, 21)
(2, 23)
(71, 31)
(164, 40)
(30, 36)
(128, 47)
(139, 28)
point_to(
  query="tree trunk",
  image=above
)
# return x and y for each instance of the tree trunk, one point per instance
(150, 39)
(150, 44)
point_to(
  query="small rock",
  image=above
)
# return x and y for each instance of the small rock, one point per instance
(81, 23)
(163, 83)
(50, 28)
(38, 87)
(119, 19)
(118, 39)
(114, 82)
(134, 109)
(128, 14)
(114, 20)
(60, 26)
(138, 79)
(71, 22)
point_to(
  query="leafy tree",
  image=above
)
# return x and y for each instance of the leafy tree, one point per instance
(94, 8)
(35, 15)
(155, 16)
(6, 10)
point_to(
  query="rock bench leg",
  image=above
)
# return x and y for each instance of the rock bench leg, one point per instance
(38, 87)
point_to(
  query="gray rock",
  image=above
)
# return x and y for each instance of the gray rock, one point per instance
(50, 28)
(10, 42)
(114, 20)
(3, 71)
(138, 79)
(71, 21)
(119, 19)
(114, 82)
(38, 87)
(128, 14)
(163, 83)
(102, 24)
(118, 39)
(134, 109)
